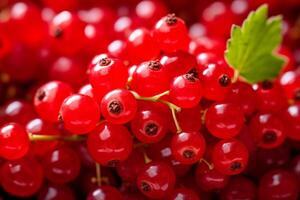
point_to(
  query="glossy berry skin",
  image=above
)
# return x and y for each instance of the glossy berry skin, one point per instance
(141, 46)
(88, 90)
(270, 96)
(106, 74)
(149, 126)
(19, 111)
(267, 130)
(292, 121)
(188, 147)
(216, 78)
(130, 168)
(150, 79)
(185, 91)
(239, 188)
(21, 178)
(48, 99)
(156, 180)
(183, 194)
(80, 114)
(14, 141)
(171, 34)
(104, 193)
(224, 120)
(278, 184)
(67, 33)
(178, 63)
(230, 156)
(109, 144)
(290, 82)
(38, 126)
(56, 192)
(61, 165)
(243, 95)
(118, 106)
(209, 179)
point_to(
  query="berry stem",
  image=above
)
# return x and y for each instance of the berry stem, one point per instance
(235, 76)
(178, 128)
(33, 137)
(98, 174)
(146, 158)
(210, 165)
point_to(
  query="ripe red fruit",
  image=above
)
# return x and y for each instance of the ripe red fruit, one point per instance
(278, 184)
(104, 193)
(150, 79)
(186, 91)
(67, 33)
(48, 99)
(239, 188)
(56, 192)
(106, 74)
(171, 34)
(183, 194)
(290, 82)
(230, 156)
(109, 144)
(216, 78)
(118, 106)
(188, 147)
(142, 46)
(224, 120)
(210, 179)
(80, 114)
(149, 126)
(61, 165)
(267, 130)
(14, 141)
(156, 180)
(292, 121)
(22, 177)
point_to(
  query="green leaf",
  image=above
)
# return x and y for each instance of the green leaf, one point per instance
(251, 50)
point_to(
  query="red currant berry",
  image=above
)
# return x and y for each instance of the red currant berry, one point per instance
(61, 165)
(56, 192)
(156, 180)
(216, 79)
(224, 120)
(292, 121)
(48, 99)
(88, 90)
(239, 188)
(230, 156)
(80, 114)
(104, 193)
(149, 126)
(109, 144)
(39, 127)
(150, 79)
(171, 34)
(278, 184)
(290, 82)
(270, 96)
(267, 130)
(14, 141)
(209, 179)
(178, 63)
(243, 95)
(141, 46)
(107, 74)
(183, 194)
(67, 32)
(188, 147)
(186, 91)
(118, 106)
(130, 168)
(22, 177)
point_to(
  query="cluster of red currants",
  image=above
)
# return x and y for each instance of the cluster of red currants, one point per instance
(156, 114)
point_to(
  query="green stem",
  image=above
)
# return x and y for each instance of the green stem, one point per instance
(178, 128)
(33, 137)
